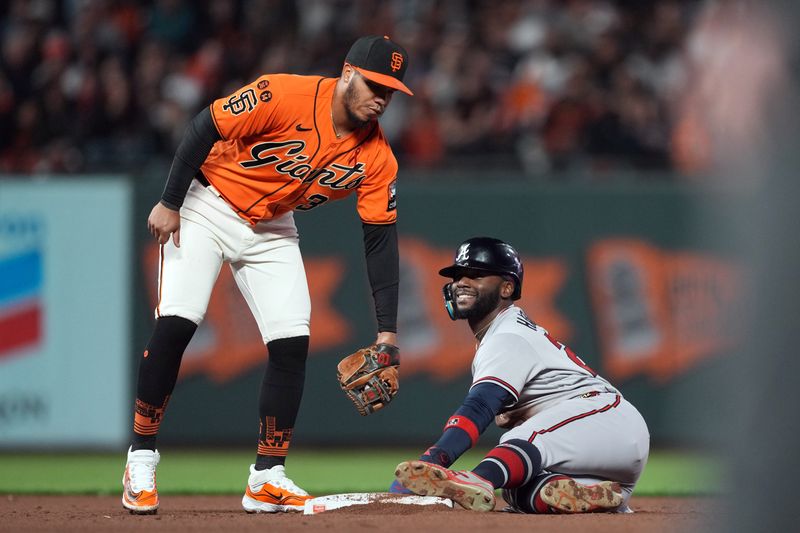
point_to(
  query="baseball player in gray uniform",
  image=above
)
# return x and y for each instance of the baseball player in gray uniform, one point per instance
(573, 444)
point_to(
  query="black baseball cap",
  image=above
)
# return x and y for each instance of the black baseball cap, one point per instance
(380, 60)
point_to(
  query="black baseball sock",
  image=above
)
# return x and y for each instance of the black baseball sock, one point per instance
(279, 402)
(158, 372)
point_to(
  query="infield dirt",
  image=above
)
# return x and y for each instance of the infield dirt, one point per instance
(223, 513)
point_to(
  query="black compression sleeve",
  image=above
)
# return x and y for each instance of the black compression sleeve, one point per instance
(383, 269)
(198, 139)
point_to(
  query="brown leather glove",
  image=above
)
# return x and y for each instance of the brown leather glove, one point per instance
(369, 377)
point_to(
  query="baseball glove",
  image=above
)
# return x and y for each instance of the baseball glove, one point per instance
(369, 377)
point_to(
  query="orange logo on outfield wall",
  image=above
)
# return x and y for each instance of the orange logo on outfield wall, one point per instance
(661, 313)
(228, 342)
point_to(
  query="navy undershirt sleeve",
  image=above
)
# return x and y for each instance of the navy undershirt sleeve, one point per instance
(481, 405)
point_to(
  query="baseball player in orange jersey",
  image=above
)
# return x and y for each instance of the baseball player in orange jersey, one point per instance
(246, 163)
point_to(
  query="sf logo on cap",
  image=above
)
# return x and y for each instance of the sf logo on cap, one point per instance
(397, 61)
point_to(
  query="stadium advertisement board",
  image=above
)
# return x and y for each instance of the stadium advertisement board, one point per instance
(64, 312)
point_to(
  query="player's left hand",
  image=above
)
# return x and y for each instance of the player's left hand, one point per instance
(387, 337)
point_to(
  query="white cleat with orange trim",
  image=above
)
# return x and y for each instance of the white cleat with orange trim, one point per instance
(139, 493)
(270, 491)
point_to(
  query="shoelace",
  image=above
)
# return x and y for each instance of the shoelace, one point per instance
(143, 475)
(282, 482)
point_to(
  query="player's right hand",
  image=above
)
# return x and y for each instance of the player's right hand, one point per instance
(164, 222)
(397, 488)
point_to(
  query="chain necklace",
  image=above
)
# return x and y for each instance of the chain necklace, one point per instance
(335, 131)
(479, 334)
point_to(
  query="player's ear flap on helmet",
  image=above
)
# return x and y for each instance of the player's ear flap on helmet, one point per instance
(449, 304)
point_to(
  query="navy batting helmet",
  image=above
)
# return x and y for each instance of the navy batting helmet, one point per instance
(490, 255)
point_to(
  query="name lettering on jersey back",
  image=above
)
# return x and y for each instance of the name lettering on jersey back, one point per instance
(289, 160)
(523, 319)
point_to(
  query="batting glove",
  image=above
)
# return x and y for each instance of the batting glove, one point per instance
(397, 488)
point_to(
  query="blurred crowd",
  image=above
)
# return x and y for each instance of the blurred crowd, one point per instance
(540, 88)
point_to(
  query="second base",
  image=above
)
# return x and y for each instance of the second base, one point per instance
(321, 504)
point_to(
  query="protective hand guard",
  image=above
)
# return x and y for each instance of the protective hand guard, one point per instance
(369, 377)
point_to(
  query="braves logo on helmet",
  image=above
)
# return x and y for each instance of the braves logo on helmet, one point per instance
(463, 253)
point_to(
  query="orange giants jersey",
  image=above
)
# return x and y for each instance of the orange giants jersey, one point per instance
(279, 152)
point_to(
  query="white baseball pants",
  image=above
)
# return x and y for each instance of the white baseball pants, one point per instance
(265, 260)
